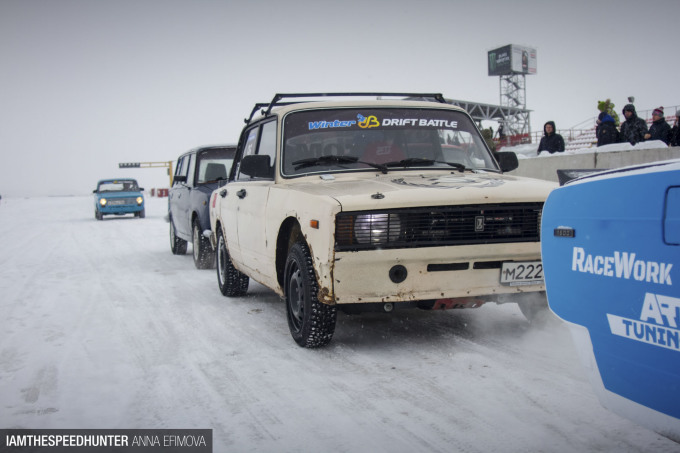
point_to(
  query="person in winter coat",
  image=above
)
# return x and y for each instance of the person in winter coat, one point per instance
(551, 141)
(633, 130)
(675, 131)
(660, 129)
(606, 131)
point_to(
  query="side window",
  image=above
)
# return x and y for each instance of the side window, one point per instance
(260, 140)
(249, 149)
(180, 170)
(251, 142)
(268, 141)
(191, 170)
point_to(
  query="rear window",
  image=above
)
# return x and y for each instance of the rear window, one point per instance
(337, 140)
(214, 164)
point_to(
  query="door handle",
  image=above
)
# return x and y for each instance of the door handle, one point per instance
(241, 193)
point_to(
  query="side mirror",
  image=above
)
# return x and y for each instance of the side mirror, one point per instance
(141, 189)
(507, 160)
(94, 191)
(180, 179)
(256, 166)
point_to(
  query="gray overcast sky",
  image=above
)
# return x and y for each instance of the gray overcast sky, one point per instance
(86, 84)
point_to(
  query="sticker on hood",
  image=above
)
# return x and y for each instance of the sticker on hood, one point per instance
(452, 182)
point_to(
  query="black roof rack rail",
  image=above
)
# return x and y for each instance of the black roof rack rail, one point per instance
(258, 106)
(278, 97)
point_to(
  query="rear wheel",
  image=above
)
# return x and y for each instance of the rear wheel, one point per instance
(231, 281)
(177, 245)
(311, 322)
(204, 257)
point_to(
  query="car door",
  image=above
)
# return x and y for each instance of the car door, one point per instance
(179, 197)
(247, 198)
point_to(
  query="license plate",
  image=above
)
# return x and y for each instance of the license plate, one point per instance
(116, 202)
(522, 273)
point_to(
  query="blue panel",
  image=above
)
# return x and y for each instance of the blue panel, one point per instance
(671, 225)
(618, 275)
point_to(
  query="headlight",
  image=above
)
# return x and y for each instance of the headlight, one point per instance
(102, 201)
(377, 228)
(140, 200)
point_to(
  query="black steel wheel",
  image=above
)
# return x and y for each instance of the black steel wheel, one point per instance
(311, 322)
(204, 257)
(177, 245)
(231, 281)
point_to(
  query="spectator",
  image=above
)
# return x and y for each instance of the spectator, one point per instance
(488, 138)
(675, 131)
(551, 140)
(606, 131)
(501, 133)
(660, 129)
(633, 130)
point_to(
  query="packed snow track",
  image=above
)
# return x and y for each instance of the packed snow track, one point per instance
(103, 327)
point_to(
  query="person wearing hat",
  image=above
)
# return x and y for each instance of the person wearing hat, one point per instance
(633, 130)
(551, 140)
(675, 131)
(659, 130)
(606, 131)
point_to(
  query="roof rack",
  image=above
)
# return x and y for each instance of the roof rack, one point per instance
(438, 97)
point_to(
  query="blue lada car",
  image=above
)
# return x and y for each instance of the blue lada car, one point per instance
(118, 196)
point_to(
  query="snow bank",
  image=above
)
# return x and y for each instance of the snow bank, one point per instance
(528, 151)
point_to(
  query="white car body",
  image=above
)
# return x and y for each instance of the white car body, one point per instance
(261, 218)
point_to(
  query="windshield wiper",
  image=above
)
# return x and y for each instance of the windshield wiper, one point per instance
(331, 159)
(457, 166)
(415, 161)
(410, 162)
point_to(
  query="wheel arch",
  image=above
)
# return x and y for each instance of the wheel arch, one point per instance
(289, 233)
(216, 231)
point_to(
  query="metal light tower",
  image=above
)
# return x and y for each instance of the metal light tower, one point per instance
(512, 63)
(514, 94)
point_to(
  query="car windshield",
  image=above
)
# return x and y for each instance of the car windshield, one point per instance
(214, 164)
(335, 140)
(121, 185)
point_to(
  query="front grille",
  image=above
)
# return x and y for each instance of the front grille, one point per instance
(438, 226)
(122, 201)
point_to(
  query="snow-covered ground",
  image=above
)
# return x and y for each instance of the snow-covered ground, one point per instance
(102, 327)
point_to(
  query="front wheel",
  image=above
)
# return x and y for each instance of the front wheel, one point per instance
(204, 257)
(177, 245)
(311, 322)
(231, 281)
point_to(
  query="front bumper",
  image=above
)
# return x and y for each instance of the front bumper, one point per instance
(363, 277)
(121, 209)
